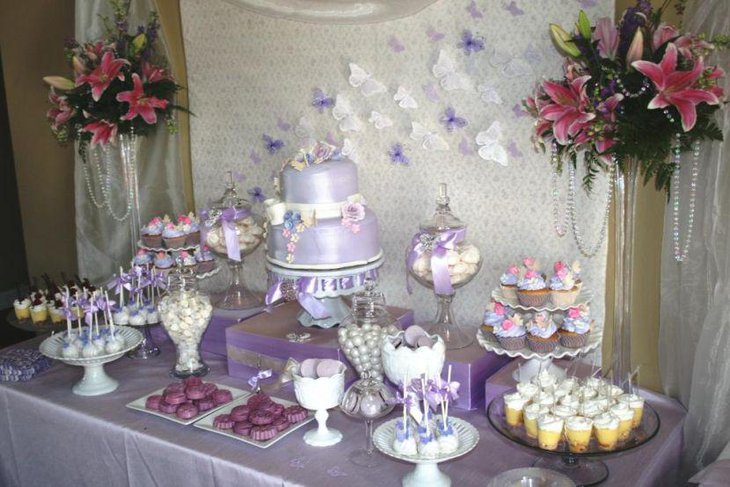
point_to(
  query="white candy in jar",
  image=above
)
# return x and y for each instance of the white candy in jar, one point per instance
(462, 263)
(185, 317)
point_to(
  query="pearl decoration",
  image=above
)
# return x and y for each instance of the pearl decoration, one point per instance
(682, 251)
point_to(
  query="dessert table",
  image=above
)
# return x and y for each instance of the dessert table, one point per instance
(49, 436)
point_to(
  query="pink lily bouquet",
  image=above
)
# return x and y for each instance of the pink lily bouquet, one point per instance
(119, 86)
(629, 91)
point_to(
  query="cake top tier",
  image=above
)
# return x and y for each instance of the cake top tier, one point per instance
(318, 175)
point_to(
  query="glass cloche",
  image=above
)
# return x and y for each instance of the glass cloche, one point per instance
(441, 258)
(232, 230)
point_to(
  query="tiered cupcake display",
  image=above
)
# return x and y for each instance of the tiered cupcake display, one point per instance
(439, 257)
(534, 317)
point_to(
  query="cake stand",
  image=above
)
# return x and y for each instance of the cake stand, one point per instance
(329, 289)
(426, 473)
(537, 362)
(95, 381)
(582, 468)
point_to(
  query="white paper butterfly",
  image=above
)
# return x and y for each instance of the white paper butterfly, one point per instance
(445, 71)
(430, 141)
(488, 93)
(490, 148)
(511, 66)
(350, 151)
(379, 120)
(405, 99)
(359, 78)
(304, 128)
(343, 113)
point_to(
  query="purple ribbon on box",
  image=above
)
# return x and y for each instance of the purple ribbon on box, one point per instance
(439, 245)
(228, 218)
(263, 374)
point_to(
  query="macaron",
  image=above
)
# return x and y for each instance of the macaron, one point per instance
(206, 404)
(242, 428)
(328, 367)
(167, 408)
(153, 402)
(175, 398)
(240, 413)
(195, 392)
(308, 368)
(186, 411)
(222, 396)
(223, 422)
(412, 334)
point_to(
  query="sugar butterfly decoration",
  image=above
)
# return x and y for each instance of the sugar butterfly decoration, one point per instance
(254, 157)
(379, 120)
(304, 128)
(431, 93)
(359, 78)
(490, 148)
(397, 154)
(344, 114)
(429, 140)
(514, 9)
(449, 78)
(404, 98)
(434, 35)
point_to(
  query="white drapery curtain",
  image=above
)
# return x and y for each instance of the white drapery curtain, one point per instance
(694, 341)
(102, 243)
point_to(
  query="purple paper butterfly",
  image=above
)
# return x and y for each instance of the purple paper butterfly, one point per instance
(474, 10)
(238, 176)
(451, 121)
(514, 151)
(395, 44)
(282, 124)
(469, 43)
(272, 145)
(320, 101)
(431, 93)
(398, 154)
(514, 9)
(518, 111)
(254, 156)
(256, 194)
(434, 35)
(465, 147)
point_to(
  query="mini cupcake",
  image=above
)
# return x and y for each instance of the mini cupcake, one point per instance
(508, 282)
(163, 261)
(563, 291)
(152, 232)
(173, 236)
(531, 288)
(542, 333)
(511, 333)
(494, 315)
(22, 308)
(576, 325)
(38, 311)
(187, 260)
(206, 261)
(191, 226)
(143, 258)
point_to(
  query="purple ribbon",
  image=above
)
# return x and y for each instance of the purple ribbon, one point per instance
(228, 218)
(441, 244)
(306, 287)
(263, 374)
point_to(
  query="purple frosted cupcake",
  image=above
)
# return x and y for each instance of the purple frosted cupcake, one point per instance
(152, 233)
(542, 333)
(494, 315)
(173, 236)
(508, 282)
(576, 325)
(511, 333)
(532, 290)
(206, 261)
(563, 291)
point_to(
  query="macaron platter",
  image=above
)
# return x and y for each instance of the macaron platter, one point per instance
(244, 418)
(187, 401)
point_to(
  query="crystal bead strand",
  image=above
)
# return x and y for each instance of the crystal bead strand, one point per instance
(560, 229)
(106, 188)
(681, 251)
(627, 93)
(590, 251)
(89, 186)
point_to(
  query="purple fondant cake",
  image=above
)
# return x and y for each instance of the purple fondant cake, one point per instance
(321, 220)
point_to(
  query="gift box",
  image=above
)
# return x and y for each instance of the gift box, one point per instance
(471, 367)
(267, 340)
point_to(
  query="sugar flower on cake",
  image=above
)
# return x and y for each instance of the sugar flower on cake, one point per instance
(577, 319)
(292, 220)
(563, 278)
(531, 263)
(352, 212)
(495, 313)
(542, 325)
(531, 280)
(510, 276)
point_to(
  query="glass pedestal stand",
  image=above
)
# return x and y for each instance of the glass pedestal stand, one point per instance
(148, 348)
(237, 296)
(446, 327)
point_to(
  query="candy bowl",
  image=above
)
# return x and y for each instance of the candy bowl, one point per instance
(404, 358)
(319, 385)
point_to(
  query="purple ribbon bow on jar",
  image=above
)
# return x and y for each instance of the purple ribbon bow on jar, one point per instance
(439, 245)
(228, 218)
(305, 289)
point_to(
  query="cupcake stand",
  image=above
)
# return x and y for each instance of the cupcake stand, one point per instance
(582, 468)
(537, 362)
(426, 473)
(319, 292)
(188, 248)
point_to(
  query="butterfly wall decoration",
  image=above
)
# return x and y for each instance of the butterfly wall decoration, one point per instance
(449, 78)
(429, 140)
(490, 147)
(404, 98)
(343, 113)
(369, 86)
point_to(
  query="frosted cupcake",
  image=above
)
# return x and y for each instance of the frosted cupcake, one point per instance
(563, 291)
(549, 431)
(143, 258)
(187, 260)
(494, 315)
(163, 261)
(206, 261)
(532, 290)
(173, 236)
(542, 334)
(190, 225)
(606, 427)
(511, 333)
(575, 327)
(152, 232)
(508, 282)
(578, 433)
(22, 308)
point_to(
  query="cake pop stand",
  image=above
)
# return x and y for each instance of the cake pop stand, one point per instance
(426, 473)
(95, 381)
(331, 296)
(581, 468)
(147, 347)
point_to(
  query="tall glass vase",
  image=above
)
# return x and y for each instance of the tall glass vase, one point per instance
(625, 211)
(129, 149)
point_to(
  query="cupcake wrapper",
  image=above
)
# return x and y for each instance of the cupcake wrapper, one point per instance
(564, 298)
(174, 242)
(532, 300)
(574, 340)
(541, 346)
(509, 292)
(152, 240)
(193, 239)
(512, 343)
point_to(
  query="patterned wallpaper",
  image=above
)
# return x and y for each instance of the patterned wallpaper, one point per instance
(437, 100)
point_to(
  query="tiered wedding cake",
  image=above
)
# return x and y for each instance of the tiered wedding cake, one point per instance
(320, 221)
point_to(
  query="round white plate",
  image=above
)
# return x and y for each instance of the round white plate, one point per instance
(584, 297)
(594, 340)
(531, 476)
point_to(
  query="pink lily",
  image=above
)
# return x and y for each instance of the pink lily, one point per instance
(607, 37)
(102, 76)
(691, 46)
(676, 87)
(139, 104)
(152, 73)
(61, 112)
(664, 33)
(103, 131)
(569, 110)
